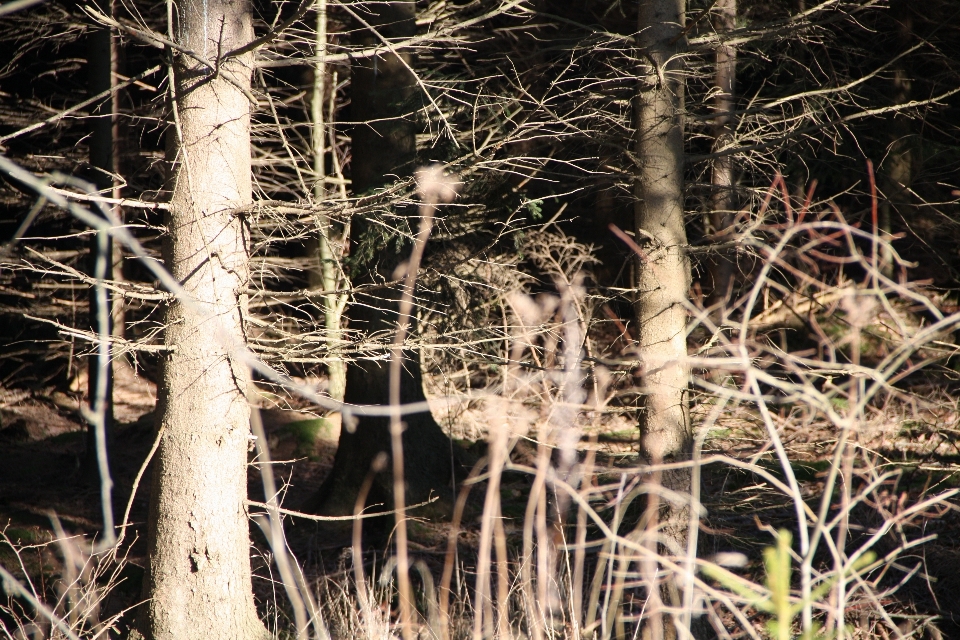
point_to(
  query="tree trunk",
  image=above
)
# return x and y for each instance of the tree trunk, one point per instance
(100, 62)
(723, 195)
(384, 103)
(664, 272)
(897, 168)
(198, 580)
(325, 277)
(663, 281)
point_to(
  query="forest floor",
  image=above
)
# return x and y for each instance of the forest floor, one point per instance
(44, 476)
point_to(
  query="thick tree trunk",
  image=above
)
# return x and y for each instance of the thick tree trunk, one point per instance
(722, 179)
(198, 580)
(384, 103)
(663, 282)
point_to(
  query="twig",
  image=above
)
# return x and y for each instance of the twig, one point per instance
(434, 188)
(80, 105)
(362, 516)
(128, 203)
(136, 483)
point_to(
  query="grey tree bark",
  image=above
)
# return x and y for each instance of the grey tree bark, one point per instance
(663, 283)
(198, 581)
(663, 274)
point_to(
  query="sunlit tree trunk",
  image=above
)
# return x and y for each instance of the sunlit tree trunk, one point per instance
(325, 276)
(664, 271)
(198, 581)
(663, 282)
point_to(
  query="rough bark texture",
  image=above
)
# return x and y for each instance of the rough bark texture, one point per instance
(198, 581)
(663, 274)
(385, 102)
(722, 179)
(663, 283)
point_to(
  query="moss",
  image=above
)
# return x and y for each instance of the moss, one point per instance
(19, 535)
(307, 433)
(840, 404)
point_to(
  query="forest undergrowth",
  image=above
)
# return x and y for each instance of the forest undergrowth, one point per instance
(823, 479)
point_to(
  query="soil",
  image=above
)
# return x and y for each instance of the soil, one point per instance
(42, 479)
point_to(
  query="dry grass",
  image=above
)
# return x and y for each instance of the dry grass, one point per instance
(820, 479)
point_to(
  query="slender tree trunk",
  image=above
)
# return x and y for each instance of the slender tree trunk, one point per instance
(101, 64)
(326, 276)
(723, 196)
(384, 103)
(199, 581)
(664, 272)
(897, 168)
(663, 282)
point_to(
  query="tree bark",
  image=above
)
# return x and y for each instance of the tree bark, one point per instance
(722, 179)
(198, 581)
(101, 59)
(663, 283)
(325, 276)
(897, 168)
(663, 274)
(384, 104)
